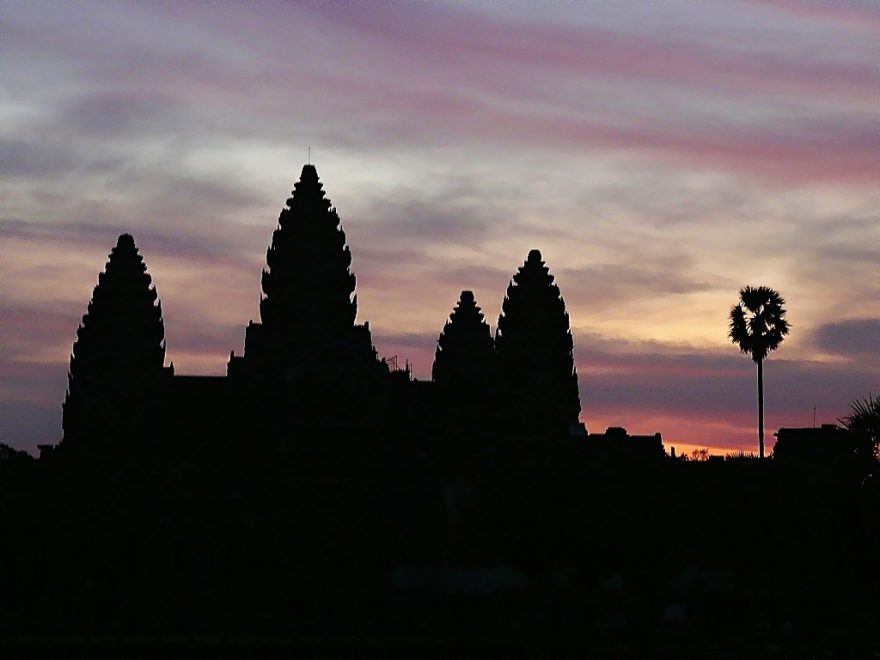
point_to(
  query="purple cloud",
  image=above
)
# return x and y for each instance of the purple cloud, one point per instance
(856, 339)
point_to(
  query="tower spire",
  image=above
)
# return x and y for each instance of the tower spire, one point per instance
(118, 354)
(465, 348)
(308, 284)
(536, 351)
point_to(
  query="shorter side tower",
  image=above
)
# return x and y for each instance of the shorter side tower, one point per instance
(117, 361)
(536, 354)
(464, 372)
(465, 356)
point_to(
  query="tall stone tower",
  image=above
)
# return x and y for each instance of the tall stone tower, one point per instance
(535, 350)
(308, 284)
(308, 356)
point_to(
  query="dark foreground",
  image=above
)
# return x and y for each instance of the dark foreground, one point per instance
(256, 553)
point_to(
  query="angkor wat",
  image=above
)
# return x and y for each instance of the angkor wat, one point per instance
(309, 369)
(317, 499)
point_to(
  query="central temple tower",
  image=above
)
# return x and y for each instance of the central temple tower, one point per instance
(308, 356)
(308, 284)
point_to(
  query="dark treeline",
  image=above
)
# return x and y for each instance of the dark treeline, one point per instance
(319, 500)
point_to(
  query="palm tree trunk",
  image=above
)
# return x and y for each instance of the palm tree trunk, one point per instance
(761, 408)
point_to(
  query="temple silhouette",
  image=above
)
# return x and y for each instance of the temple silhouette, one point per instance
(309, 369)
(318, 501)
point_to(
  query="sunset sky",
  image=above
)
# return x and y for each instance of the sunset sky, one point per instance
(661, 155)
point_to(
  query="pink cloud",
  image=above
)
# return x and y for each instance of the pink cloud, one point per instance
(445, 37)
(854, 15)
(418, 73)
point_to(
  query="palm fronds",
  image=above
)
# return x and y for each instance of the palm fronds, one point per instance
(757, 321)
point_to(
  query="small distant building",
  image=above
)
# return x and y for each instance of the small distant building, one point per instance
(617, 443)
(828, 444)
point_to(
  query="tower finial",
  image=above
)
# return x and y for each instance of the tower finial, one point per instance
(310, 156)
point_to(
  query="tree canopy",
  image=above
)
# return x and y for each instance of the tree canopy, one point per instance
(757, 321)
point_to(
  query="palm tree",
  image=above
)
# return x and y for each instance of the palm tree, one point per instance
(864, 418)
(758, 326)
